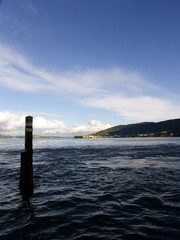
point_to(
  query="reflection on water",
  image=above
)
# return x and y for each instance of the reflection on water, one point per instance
(93, 189)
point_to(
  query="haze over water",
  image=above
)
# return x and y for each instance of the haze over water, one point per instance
(93, 189)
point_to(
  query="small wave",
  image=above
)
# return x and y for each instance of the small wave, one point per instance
(123, 190)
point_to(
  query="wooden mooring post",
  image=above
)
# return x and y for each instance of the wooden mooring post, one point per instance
(26, 172)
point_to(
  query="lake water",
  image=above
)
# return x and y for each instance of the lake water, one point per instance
(93, 189)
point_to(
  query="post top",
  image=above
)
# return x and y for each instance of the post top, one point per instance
(29, 117)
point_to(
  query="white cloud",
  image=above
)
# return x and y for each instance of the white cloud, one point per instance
(14, 123)
(92, 127)
(10, 122)
(17, 73)
(142, 108)
(116, 90)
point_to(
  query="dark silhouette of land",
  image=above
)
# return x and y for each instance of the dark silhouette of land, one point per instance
(168, 128)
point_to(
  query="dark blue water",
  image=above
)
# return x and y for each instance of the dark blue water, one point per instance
(93, 189)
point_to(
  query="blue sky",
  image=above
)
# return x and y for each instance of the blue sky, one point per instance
(79, 66)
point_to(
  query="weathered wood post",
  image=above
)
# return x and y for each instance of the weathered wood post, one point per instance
(26, 173)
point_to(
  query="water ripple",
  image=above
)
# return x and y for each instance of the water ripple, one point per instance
(119, 191)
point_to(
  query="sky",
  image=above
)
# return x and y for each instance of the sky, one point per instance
(80, 66)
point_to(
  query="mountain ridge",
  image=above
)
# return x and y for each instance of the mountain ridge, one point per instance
(167, 128)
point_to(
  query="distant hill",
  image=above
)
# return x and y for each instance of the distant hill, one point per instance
(169, 128)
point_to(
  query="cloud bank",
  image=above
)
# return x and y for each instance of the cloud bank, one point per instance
(14, 123)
